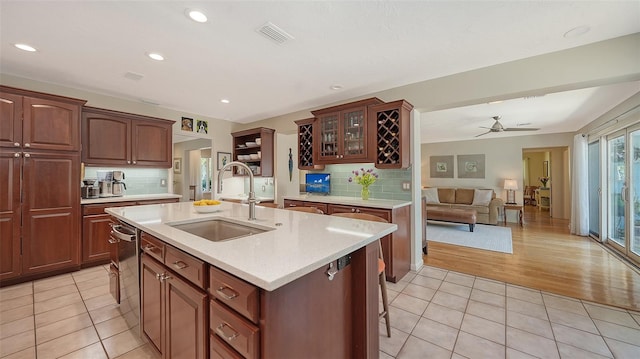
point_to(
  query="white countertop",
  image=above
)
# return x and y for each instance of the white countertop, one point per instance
(351, 201)
(136, 197)
(297, 244)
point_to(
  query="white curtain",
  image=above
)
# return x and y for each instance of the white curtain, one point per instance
(580, 187)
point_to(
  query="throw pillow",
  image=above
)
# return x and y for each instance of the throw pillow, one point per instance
(431, 194)
(482, 197)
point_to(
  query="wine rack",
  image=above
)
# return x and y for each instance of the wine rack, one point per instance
(306, 145)
(392, 134)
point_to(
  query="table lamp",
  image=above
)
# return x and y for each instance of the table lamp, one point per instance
(511, 185)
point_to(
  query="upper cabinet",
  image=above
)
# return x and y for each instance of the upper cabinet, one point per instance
(340, 133)
(112, 138)
(32, 120)
(391, 124)
(306, 149)
(255, 148)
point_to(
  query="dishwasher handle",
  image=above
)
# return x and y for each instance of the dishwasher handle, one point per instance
(123, 233)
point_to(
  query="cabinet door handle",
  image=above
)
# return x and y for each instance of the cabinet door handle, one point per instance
(165, 276)
(113, 240)
(149, 248)
(134, 162)
(220, 331)
(353, 210)
(27, 155)
(16, 155)
(16, 144)
(27, 145)
(128, 162)
(180, 265)
(224, 295)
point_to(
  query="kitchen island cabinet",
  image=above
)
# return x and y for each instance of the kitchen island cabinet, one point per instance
(306, 287)
(112, 138)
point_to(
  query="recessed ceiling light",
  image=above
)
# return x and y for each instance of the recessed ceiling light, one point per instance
(336, 87)
(197, 15)
(577, 31)
(25, 47)
(156, 56)
(224, 100)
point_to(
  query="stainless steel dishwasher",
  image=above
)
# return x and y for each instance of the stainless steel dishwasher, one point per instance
(124, 249)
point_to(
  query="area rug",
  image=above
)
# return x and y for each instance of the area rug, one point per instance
(491, 238)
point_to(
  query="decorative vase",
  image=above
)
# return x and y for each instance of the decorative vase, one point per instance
(365, 193)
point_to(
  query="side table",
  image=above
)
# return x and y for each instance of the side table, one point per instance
(515, 207)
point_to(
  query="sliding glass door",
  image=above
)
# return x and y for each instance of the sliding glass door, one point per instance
(594, 189)
(623, 195)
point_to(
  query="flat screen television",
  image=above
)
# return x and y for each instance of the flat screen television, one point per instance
(318, 183)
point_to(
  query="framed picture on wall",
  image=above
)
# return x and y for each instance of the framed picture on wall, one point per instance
(441, 166)
(223, 159)
(470, 166)
(187, 124)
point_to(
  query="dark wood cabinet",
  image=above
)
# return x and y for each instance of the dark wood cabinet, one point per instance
(39, 188)
(396, 247)
(391, 124)
(38, 121)
(173, 311)
(258, 156)
(306, 149)
(96, 227)
(341, 133)
(50, 211)
(112, 138)
(10, 214)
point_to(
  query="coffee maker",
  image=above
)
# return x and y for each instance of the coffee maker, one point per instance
(105, 183)
(88, 190)
(118, 187)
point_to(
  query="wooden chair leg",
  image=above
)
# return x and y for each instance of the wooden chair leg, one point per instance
(385, 302)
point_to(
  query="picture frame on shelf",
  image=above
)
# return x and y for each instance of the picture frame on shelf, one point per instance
(223, 159)
(177, 165)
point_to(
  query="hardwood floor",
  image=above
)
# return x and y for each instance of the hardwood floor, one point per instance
(546, 257)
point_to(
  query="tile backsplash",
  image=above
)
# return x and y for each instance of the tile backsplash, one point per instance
(137, 180)
(388, 185)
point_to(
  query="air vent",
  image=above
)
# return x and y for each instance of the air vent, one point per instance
(133, 76)
(274, 33)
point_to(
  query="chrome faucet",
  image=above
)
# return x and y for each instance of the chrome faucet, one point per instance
(252, 193)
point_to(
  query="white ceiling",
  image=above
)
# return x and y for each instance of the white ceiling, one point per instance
(364, 46)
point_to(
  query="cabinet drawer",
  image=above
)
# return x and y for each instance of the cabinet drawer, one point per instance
(382, 213)
(152, 246)
(190, 268)
(234, 330)
(236, 293)
(90, 209)
(221, 350)
(293, 203)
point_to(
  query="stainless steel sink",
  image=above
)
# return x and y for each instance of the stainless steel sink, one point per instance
(218, 229)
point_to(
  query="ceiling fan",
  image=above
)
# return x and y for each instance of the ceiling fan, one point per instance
(497, 127)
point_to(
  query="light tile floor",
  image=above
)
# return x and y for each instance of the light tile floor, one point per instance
(434, 314)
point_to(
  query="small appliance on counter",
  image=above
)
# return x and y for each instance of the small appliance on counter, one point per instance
(88, 190)
(118, 187)
(105, 183)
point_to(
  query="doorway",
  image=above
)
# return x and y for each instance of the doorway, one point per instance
(623, 192)
(188, 181)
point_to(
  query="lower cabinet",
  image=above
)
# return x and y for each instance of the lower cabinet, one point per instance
(96, 225)
(173, 312)
(396, 246)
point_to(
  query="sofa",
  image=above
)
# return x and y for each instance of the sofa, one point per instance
(484, 201)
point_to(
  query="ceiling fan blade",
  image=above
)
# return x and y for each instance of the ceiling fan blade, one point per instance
(488, 128)
(482, 134)
(521, 129)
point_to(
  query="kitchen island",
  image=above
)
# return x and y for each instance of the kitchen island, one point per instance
(315, 280)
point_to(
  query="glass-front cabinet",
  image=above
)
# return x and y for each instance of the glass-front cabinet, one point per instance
(341, 135)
